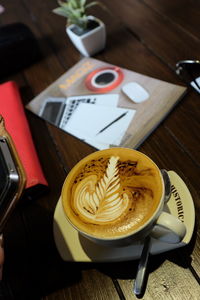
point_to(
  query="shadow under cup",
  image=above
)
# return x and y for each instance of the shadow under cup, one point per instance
(117, 182)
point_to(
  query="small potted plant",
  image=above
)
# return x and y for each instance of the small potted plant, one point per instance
(86, 32)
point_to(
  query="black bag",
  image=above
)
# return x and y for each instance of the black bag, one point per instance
(18, 48)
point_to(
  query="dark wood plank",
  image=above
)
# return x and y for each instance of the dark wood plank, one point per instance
(156, 32)
(183, 124)
(90, 287)
(185, 14)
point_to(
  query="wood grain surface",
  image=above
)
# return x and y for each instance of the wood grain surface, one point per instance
(148, 37)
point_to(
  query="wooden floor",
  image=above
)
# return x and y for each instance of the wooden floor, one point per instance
(146, 36)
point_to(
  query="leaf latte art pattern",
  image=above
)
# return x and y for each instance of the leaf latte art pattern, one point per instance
(100, 201)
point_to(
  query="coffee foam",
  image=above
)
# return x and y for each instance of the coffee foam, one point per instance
(112, 192)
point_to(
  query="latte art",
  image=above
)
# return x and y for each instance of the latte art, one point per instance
(112, 192)
(101, 201)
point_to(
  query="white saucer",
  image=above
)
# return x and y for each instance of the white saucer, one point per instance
(74, 247)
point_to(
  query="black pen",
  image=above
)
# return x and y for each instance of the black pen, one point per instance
(117, 119)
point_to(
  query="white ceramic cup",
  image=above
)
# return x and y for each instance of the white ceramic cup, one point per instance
(159, 219)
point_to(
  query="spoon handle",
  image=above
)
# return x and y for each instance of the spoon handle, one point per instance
(141, 272)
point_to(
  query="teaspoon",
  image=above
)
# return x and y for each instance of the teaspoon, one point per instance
(142, 267)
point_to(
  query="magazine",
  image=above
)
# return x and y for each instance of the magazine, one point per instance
(105, 105)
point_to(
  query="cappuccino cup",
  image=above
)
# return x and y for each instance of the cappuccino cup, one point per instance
(116, 196)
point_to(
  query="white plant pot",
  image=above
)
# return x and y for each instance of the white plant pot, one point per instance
(90, 42)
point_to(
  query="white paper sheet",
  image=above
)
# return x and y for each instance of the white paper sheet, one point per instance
(87, 121)
(73, 102)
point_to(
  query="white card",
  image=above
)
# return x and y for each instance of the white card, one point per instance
(88, 120)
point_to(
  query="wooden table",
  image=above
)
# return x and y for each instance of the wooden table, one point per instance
(148, 37)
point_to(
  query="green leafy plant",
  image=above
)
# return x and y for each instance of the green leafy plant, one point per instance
(75, 11)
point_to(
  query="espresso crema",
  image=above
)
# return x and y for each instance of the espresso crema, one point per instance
(112, 192)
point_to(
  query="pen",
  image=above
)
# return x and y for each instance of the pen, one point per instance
(117, 119)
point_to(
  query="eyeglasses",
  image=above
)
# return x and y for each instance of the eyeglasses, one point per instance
(189, 72)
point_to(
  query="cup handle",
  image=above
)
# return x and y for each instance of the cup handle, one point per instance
(174, 230)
